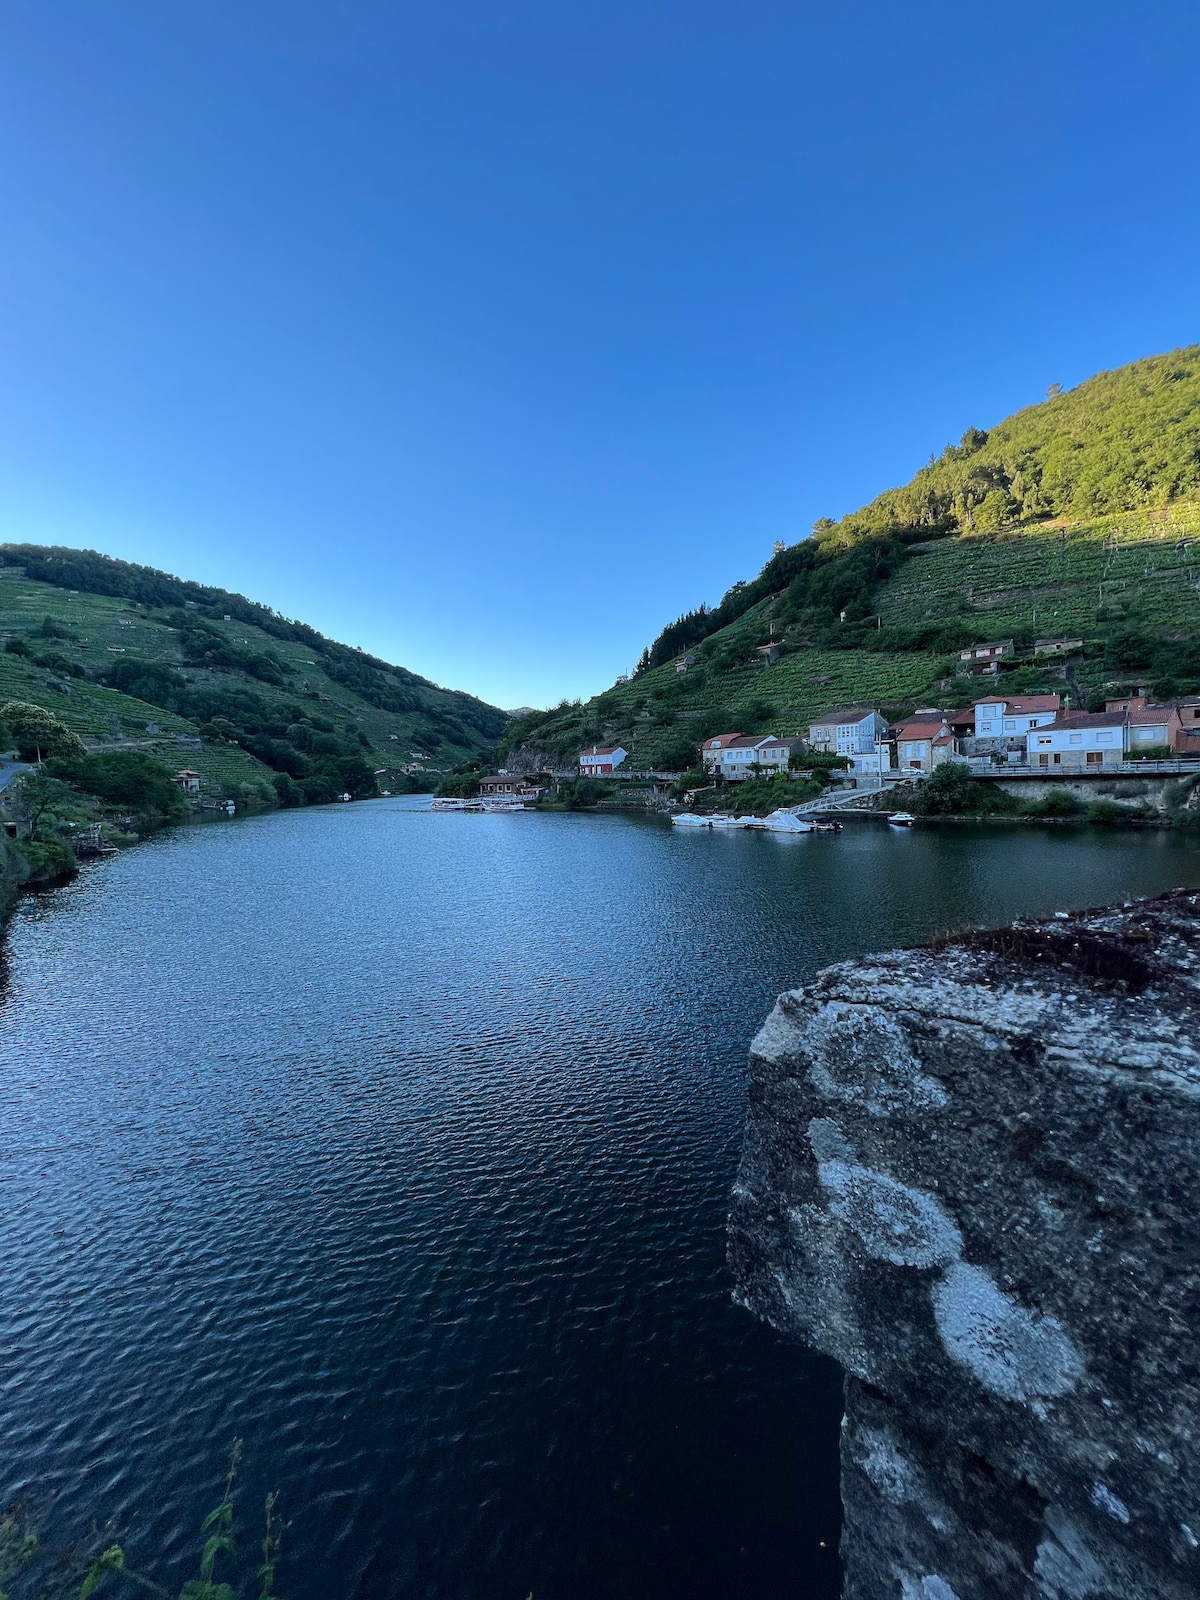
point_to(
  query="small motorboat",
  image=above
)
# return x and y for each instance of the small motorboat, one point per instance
(688, 819)
(786, 822)
(901, 819)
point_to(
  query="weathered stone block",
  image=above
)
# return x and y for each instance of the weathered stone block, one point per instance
(969, 1175)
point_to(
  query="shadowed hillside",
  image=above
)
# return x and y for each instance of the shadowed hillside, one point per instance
(266, 709)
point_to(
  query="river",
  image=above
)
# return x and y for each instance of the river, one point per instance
(399, 1145)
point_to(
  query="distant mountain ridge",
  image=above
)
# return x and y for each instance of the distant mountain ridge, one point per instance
(1080, 513)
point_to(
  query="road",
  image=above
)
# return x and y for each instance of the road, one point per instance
(9, 770)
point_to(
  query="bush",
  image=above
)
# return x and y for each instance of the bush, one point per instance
(48, 860)
(588, 792)
(459, 786)
(124, 778)
(764, 795)
(693, 778)
(1103, 813)
(951, 791)
(1058, 803)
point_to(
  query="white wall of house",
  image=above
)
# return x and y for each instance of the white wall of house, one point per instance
(1075, 747)
(858, 736)
(735, 762)
(601, 760)
(1146, 735)
(994, 720)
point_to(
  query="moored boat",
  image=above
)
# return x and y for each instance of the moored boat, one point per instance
(902, 819)
(786, 822)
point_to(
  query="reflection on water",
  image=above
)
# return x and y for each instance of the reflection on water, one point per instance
(399, 1144)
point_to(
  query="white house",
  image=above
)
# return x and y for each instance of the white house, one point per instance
(775, 755)
(733, 755)
(850, 731)
(998, 718)
(1079, 740)
(600, 760)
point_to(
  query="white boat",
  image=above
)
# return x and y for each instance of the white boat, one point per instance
(719, 820)
(786, 822)
(902, 819)
(688, 819)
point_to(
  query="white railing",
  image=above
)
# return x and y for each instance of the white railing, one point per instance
(1114, 769)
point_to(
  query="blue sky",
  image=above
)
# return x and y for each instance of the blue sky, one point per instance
(491, 336)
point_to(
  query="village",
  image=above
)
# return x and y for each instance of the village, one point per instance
(1022, 740)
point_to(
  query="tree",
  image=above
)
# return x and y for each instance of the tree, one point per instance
(36, 796)
(123, 778)
(947, 792)
(38, 733)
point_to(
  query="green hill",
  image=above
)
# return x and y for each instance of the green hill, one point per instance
(1077, 516)
(266, 709)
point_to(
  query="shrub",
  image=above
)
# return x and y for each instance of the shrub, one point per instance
(1154, 752)
(952, 791)
(1058, 803)
(693, 778)
(125, 778)
(48, 860)
(459, 786)
(1103, 813)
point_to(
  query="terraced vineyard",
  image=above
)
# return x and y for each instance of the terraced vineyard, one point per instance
(1091, 580)
(72, 638)
(1057, 580)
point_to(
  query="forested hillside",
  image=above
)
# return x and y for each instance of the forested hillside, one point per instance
(266, 709)
(1078, 515)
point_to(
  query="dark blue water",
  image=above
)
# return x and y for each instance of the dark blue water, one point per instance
(399, 1145)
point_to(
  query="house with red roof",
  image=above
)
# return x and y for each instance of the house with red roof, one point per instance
(1079, 740)
(924, 741)
(1000, 717)
(735, 756)
(601, 760)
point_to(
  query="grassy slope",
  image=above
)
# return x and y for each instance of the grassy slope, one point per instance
(1129, 440)
(104, 624)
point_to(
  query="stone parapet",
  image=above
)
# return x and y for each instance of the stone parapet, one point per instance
(969, 1175)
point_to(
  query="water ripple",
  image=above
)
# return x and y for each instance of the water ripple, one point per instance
(399, 1145)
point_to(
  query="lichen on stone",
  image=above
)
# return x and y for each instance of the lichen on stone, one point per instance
(904, 1226)
(862, 1057)
(1006, 1347)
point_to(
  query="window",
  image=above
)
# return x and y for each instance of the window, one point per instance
(1105, 736)
(1076, 738)
(1095, 758)
(1010, 725)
